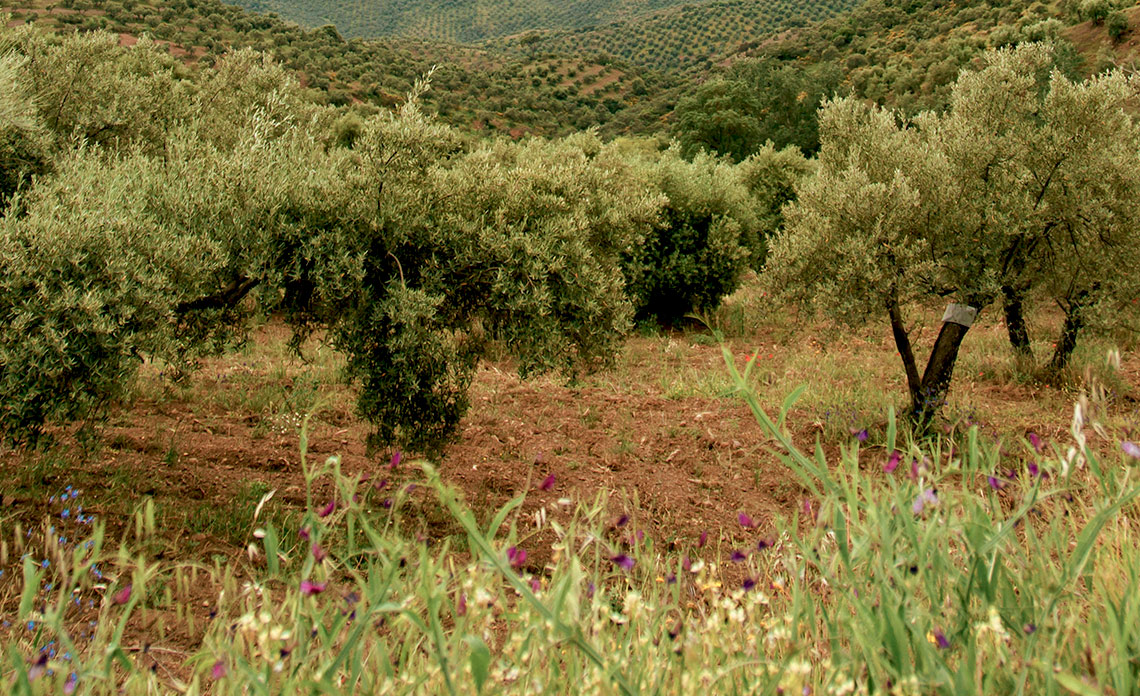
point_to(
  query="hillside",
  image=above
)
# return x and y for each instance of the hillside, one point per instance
(455, 20)
(481, 90)
(907, 53)
(691, 36)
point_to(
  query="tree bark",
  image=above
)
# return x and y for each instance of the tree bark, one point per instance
(1015, 323)
(1074, 322)
(906, 351)
(225, 298)
(939, 370)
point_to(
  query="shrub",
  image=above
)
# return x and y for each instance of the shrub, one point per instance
(1117, 25)
(708, 234)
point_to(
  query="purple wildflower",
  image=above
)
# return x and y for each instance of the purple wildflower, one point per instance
(765, 544)
(1034, 470)
(862, 435)
(219, 670)
(38, 668)
(381, 484)
(995, 483)
(516, 556)
(396, 457)
(704, 539)
(941, 639)
(123, 595)
(1131, 449)
(622, 521)
(70, 684)
(1029, 628)
(893, 462)
(671, 579)
(623, 561)
(737, 556)
(745, 521)
(318, 553)
(591, 589)
(927, 498)
(312, 588)
(535, 585)
(749, 583)
(1036, 442)
(547, 483)
(461, 605)
(328, 509)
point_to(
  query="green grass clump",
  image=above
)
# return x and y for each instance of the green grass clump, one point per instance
(915, 570)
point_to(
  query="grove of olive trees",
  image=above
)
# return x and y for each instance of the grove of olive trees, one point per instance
(179, 199)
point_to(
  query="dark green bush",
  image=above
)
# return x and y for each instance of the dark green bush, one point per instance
(709, 231)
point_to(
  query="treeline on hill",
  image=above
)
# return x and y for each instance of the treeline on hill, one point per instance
(145, 203)
(475, 89)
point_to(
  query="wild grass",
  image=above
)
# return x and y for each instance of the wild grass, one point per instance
(965, 566)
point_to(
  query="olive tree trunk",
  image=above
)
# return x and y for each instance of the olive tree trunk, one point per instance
(928, 393)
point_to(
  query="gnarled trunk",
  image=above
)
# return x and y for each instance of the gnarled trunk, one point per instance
(1015, 323)
(1067, 342)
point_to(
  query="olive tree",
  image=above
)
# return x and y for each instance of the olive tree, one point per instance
(1027, 182)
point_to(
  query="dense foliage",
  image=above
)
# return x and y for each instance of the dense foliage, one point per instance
(178, 194)
(715, 223)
